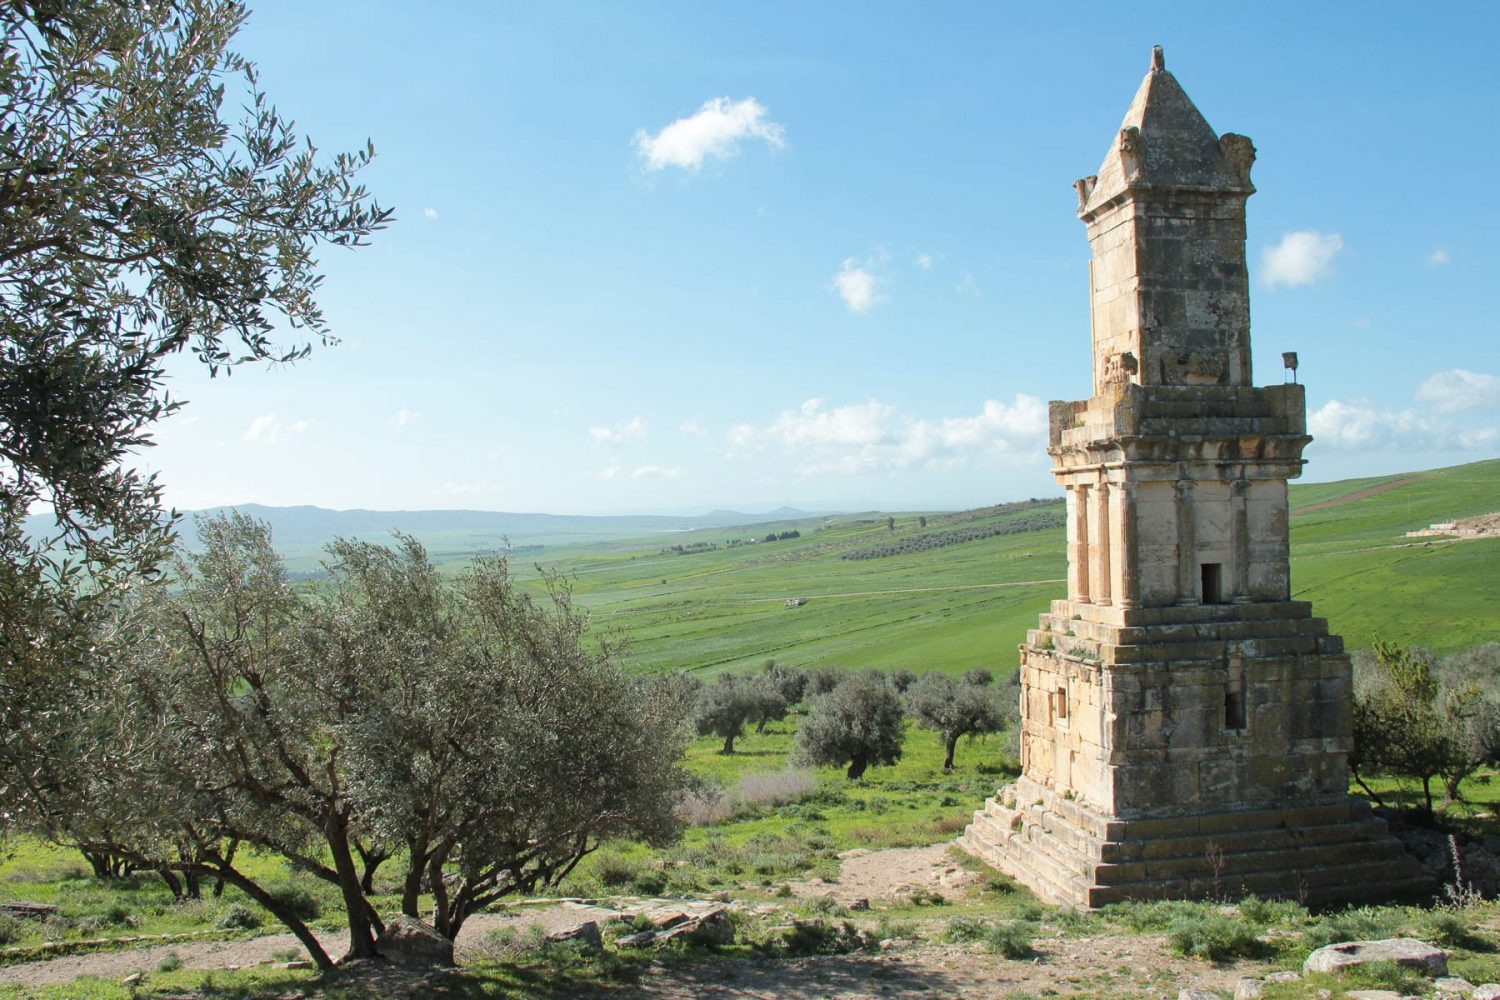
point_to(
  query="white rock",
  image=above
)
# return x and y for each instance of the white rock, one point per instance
(1453, 984)
(1403, 951)
(1489, 991)
(1248, 989)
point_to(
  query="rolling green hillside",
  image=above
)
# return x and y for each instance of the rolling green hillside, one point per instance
(968, 604)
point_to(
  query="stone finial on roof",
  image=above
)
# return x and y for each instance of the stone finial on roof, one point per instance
(1165, 142)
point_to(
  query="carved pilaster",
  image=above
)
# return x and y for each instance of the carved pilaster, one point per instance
(1187, 547)
(1128, 593)
(1078, 543)
(1239, 527)
(1100, 516)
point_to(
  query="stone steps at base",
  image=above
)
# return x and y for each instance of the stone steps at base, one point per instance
(1348, 860)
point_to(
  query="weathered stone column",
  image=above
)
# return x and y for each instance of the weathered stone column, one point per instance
(1187, 546)
(1100, 516)
(1078, 543)
(1128, 594)
(1239, 527)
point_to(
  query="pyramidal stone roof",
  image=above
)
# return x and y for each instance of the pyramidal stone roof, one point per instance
(1165, 142)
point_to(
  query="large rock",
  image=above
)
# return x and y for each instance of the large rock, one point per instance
(1403, 951)
(408, 941)
(586, 935)
(713, 927)
(1194, 993)
(1489, 991)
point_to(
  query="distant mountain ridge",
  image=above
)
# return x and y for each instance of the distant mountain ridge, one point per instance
(305, 528)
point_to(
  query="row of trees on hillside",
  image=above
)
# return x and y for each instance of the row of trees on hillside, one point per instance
(854, 718)
(459, 726)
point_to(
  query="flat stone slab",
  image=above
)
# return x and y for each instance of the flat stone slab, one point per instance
(1403, 951)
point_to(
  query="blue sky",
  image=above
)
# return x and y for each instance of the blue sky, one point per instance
(676, 256)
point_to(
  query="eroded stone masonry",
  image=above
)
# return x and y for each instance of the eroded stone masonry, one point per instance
(1185, 724)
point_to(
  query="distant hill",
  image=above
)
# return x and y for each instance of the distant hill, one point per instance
(301, 533)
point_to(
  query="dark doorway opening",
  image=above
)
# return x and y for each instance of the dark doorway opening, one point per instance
(1213, 583)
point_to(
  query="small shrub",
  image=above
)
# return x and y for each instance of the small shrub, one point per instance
(1271, 912)
(1362, 924)
(118, 914)
(962, 929)
(11, 929)
(705, 807)
(614, 871)
(815, 937)
(237, 917)
(1451, 929)
(1215, 937)
(296, 898)
(170, 962)
(1010, 939)
(286, 955)
(776, 788)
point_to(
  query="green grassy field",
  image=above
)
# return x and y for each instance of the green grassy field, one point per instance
(968, 605)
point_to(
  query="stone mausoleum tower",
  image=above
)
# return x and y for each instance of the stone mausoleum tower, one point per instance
(1185, 724)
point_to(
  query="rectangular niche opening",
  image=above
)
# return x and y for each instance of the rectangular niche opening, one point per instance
(1212, 579)
(1234, 709)
(1061, 710)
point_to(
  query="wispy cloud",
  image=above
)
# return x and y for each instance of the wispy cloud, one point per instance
(1438, 257)
(656, 472)
(875, 436)
(615, 470)
(429, 213)
(1301, 258)
(404, 417)
(270, 428)
(924, 261)
(1459, 389)
(714, 132)
(692, 427)
(620, 433)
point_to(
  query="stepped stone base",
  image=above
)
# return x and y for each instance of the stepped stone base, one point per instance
(1317, 852)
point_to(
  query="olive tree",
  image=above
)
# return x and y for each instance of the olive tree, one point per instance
(955, 709)
(1407, 724)
(138, 220)
(468, 723)
(502, 747)
(858, 723)
(723, 707)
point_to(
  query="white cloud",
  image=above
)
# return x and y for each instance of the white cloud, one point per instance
(966, 285)
(269, 428)
(404, 417)
(1438, 257)
(1364, 426)
(429, 213)
(691, 426)
(924, 261)
(656, 472)
(620, 433)
(873, 436)
(857, 285)
(1301, 258)
(1460, 389)
(716, 131)
(453, 489)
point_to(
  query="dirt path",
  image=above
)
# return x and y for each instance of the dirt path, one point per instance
(892, 876)
(1134, 966)
(1358, 495)
(269, 948)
